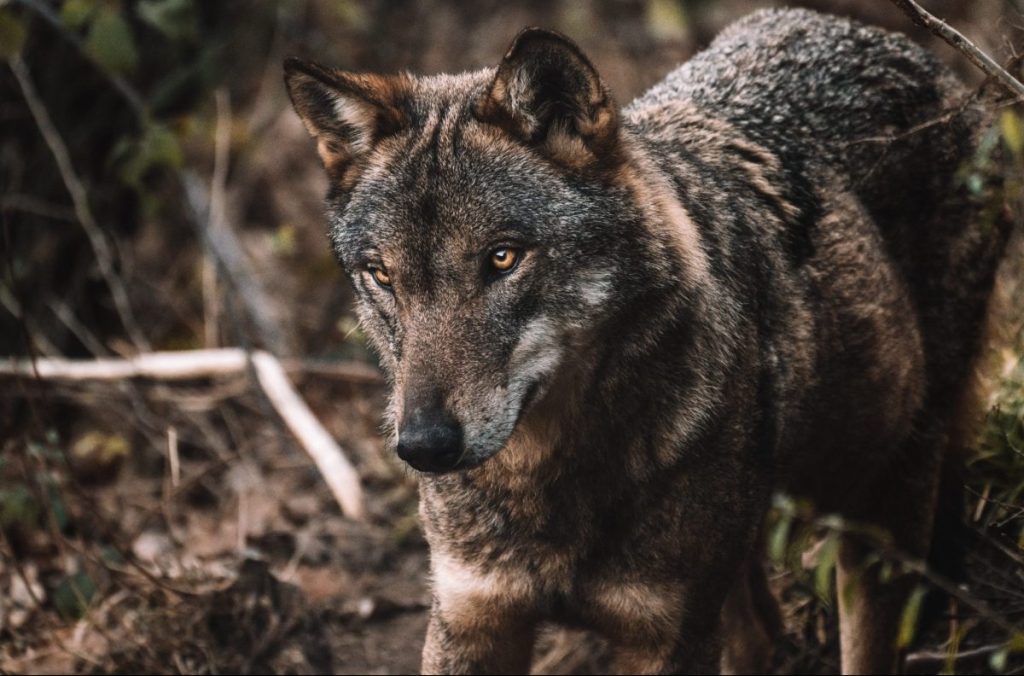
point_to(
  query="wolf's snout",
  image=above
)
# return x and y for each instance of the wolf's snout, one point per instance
(430, 441)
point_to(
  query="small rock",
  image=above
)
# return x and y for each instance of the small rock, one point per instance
(151, 545)
(301, 508)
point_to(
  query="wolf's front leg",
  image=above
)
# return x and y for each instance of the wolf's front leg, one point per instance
(694, 652)
(471, 638)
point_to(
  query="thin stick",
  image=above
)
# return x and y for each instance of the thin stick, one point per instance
(178, 365)
(158, 365)
(928, 662)
(172, 456)
(59, 150)
(339, 473)
(956, 39)
(216, 217)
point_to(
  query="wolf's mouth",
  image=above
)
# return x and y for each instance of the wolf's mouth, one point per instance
(465, 463)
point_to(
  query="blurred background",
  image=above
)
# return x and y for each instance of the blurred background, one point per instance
(158, 193)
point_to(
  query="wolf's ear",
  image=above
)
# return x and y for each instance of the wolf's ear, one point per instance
(546, 91)
(347, 113)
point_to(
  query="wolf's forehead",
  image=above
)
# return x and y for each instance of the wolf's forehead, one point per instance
(451, 177)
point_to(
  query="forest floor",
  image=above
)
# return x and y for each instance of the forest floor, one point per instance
(240, 561)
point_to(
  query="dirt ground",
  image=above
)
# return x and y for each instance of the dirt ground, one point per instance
(178, 528)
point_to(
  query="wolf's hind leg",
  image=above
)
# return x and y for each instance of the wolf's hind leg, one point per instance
(751, 621)
(870, 608)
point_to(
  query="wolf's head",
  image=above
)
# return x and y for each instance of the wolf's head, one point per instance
(483, 229)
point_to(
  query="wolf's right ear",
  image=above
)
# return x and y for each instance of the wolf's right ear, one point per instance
(347, 113)
(547, 92)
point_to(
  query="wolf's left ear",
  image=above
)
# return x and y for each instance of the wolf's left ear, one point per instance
(546, 91)
(347, 113)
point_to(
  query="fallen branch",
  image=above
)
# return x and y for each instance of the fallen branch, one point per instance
(338, 472)
(958, 41)
(177, 365)
(340, 475)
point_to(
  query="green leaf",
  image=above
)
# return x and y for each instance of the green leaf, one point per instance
(12, 35)
(976, 184)
(823, 573)
(998, 660)
(111, 43)
(778, 540)
(18, 508)
(176, 19)
(158, 147)
(1013, 134)
(666, 20)
(908, 621)
(72, 595)
(58, 508)
(76, 13)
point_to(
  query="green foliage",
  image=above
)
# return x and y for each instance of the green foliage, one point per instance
(111, 43)
(997, 467)
(909, 618)
(18, 508)
(667, 19)
(1013, 133)
(77, 14)
(72, 595)
(825, 570)
(163, 43)
(156, 147)
(176, 19)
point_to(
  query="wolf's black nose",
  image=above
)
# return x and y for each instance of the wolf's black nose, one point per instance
(430, 441)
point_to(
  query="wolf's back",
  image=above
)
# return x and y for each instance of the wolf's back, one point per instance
(826, 93)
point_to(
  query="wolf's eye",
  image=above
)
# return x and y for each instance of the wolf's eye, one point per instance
(504, 259)
(380, 275)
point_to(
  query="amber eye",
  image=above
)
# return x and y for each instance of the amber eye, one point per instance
(380, 275)
(504, 259)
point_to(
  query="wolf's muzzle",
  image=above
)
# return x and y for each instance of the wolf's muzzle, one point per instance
(430, 441)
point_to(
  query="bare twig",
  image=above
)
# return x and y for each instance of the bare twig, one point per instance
(223, 246)
(966, 661)
(104, 257)
(10, 303)
(340, 475)
(216, 218)
(172, 456)
(78, 329)
(956, 39)
(338, 472)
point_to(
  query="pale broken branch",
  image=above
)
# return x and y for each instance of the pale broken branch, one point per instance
(338, 472)
(920, 16)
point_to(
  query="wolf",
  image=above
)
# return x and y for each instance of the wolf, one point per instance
(611, 333)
